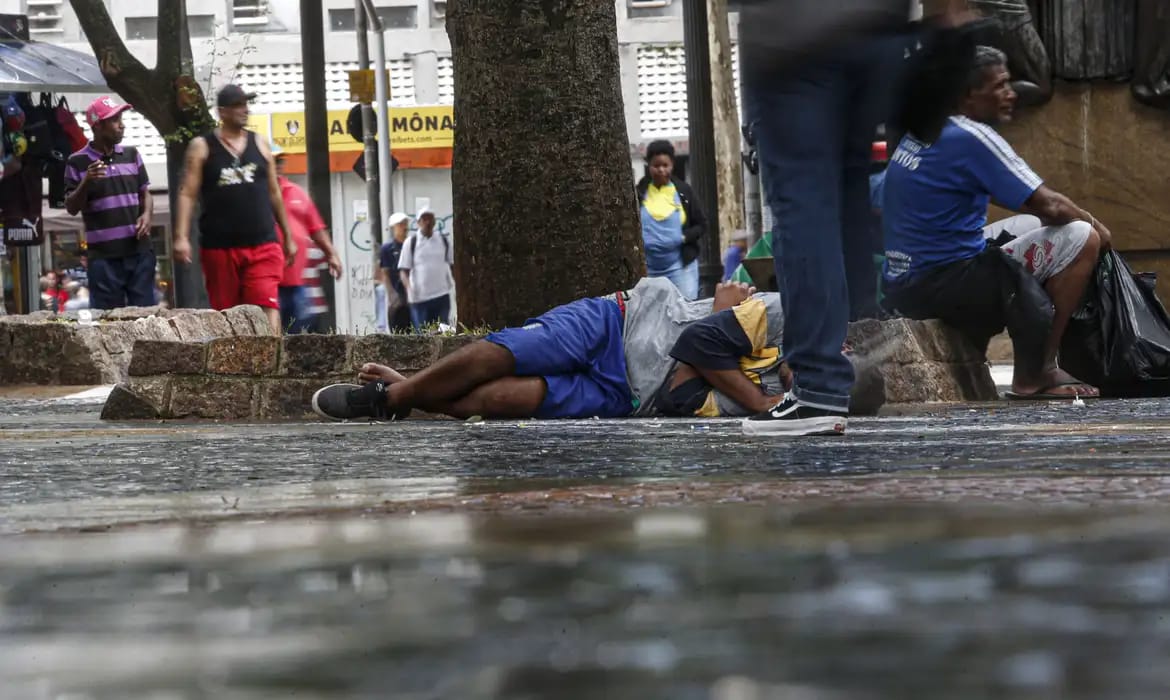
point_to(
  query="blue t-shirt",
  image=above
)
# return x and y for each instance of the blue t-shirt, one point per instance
(937, 194)
(389, 254)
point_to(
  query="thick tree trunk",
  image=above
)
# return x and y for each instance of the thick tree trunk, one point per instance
(728, 167)
(543, 199)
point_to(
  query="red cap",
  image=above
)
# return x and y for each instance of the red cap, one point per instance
(104, 108)
(879, 152)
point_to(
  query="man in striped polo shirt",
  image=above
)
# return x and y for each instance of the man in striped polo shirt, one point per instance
(107, 183)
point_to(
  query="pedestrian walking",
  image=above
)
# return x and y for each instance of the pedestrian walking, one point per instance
(307, 229)
(231, 171)
(425, 269)
(395, 312)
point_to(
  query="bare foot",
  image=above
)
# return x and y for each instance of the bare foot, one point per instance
(372, 371)
(1055, 382)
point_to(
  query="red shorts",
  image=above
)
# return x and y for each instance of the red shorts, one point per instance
(237, 276)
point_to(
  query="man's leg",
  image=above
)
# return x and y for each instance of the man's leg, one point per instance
(220, 277)
(140, 273)
(1063, 259)
(105, 284)
(262, 268)
(801, 128)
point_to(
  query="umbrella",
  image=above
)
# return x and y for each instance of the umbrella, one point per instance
(30, 66)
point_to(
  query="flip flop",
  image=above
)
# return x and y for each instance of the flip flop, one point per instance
(1044, 395)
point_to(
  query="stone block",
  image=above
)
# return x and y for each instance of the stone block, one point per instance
(885, 341)
(450, 343)
(212, 398)
(405, 353)
(930, 382)
(124, 404)
(154, 390)
(253, 356)
(188, 327)
(154, 357)
(215, 325)
(84, 361)
(35, 354)
(287, 398)
(943, 343)
(131, 313)
(312, 355)
(248, 320)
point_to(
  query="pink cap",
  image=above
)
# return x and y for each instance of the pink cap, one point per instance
(104, 108)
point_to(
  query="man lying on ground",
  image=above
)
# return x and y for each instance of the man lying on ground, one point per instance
(943, 262)
(638, 353)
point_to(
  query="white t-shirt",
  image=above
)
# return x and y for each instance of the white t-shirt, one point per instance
(429, 261)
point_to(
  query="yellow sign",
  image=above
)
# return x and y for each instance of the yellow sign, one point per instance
(363, 87)
(410, 127)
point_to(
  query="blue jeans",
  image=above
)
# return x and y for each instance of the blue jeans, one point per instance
(815, 130)
(686, 278)
(118, 282)
(295, 316)
(431, 311)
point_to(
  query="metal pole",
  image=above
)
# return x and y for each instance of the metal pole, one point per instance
(317, 128)
(382, 109)
(369, 135)
(701, 130)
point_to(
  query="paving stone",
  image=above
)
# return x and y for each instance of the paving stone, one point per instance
(253, 356)
(211, 397)
(124, 404)
(313, 355)
(402, 352)
(153, 357)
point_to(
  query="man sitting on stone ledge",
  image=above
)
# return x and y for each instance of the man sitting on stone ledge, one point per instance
(942, 261)
(638, 353)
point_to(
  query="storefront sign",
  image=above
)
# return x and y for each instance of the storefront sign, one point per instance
(22, 232)
(410, 127)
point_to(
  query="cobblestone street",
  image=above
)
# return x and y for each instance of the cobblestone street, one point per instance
(952, 551)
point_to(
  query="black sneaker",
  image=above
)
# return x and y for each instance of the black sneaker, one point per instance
(791, 419)
(340, 402)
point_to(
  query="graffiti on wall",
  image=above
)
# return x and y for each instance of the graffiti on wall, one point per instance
(359, 233)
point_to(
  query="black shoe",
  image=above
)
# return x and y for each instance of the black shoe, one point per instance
(791, 419)
(340, 402)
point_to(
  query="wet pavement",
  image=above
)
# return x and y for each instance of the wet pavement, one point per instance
(1013, 550)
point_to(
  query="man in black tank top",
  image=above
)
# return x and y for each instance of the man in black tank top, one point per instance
(233, 173)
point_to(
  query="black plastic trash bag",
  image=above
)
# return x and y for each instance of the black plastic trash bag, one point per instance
(1119, 340)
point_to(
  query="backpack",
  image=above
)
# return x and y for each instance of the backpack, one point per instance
(446, 245)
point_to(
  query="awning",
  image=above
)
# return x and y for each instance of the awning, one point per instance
(32, 66)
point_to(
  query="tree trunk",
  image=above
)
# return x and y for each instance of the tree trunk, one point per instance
(543, 199)
(728, 168)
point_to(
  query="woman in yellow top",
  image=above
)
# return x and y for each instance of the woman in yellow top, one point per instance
(672, 222)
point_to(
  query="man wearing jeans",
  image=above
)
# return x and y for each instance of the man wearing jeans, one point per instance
(108, 184)
(425, 266)
(815, 119)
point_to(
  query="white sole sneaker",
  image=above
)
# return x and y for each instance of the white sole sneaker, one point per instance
(797, 427)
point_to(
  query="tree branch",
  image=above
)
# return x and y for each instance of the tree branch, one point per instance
(174, 40)
(118, 65)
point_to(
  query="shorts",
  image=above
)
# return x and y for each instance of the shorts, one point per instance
(1044, 251)
(249, 275)
(577, 349)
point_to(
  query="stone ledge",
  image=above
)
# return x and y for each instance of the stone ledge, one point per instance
(267, 378)
(40, 348)
(257, 378)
